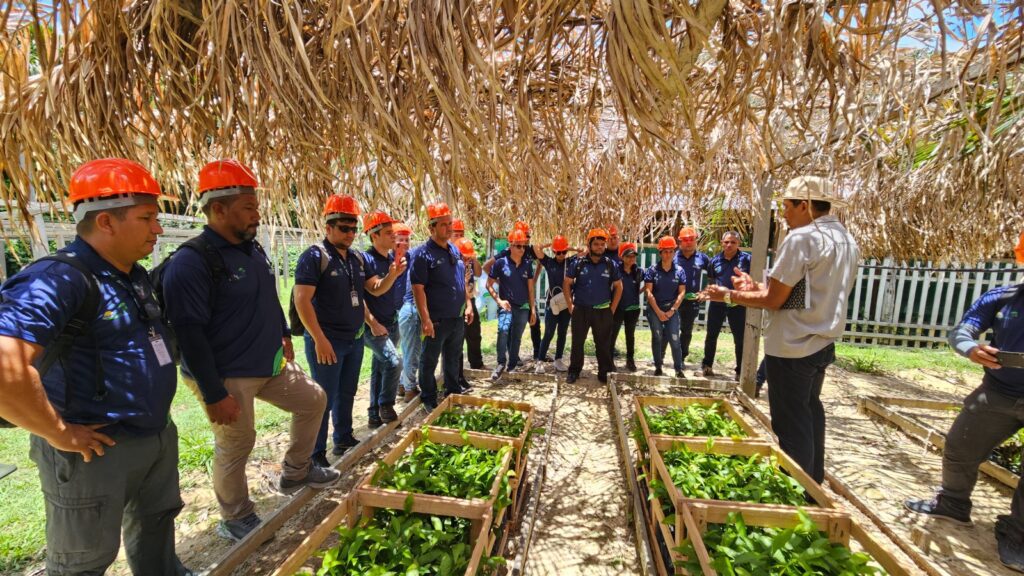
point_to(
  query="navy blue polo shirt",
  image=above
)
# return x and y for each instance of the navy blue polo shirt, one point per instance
(37, 304)
(513, 280)
(693, 266)
(630, 287)
(665, 283)
(722, 270)
(555, 271)
(244, 323)
(593, 281)
(1006, 319)
(332, 301)
(528, 255)
(384, 307)
(442, 273)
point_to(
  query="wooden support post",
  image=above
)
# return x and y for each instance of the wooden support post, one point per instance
(759, 258)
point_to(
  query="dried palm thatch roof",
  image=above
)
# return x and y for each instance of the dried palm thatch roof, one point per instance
(563, 112)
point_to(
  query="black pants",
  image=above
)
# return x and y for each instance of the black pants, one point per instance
(551, 322)
(629, 318)
(718, 312)
(535, 338)
(688, 312)
(476, 359)
(600, 319)
(798, 417)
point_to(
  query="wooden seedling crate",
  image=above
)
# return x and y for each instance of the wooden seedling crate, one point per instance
(724, 407)
(349, 512)
(839, 527)
(372, 496)
(519, 442)
(728, 447)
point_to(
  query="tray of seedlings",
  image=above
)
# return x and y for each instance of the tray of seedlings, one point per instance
(718, 539)
(697, 417)
(429, 507)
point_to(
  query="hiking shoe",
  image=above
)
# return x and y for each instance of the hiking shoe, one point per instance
(497, 373)
(630, 365)
(707, 371)
(317, 477)
(680, 374)
(387, 413)
(373, 422)
(343, 446)
(1010, 542)
(560, 365)
(658, 371)
(235, 530)
(571, 377)
(938, 509)
(411, 395)
(320, 459)
(602, 377)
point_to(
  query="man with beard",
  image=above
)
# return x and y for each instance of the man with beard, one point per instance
(596, 286)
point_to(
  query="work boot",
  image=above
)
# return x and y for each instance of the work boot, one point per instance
(630, 365)
(571, 377)
(940, 508)
(317, 477)
(235, 530)
(387, 413)
(373, 421)
(658, 372)
(1010, 542)
(411, 395)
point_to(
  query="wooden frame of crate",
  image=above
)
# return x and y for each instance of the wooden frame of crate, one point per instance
(725, 407)
(923, 432)
(478, 402)
(841, 529)
(727, 447)
(349, 512)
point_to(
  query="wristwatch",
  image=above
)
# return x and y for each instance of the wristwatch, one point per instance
(728, 297)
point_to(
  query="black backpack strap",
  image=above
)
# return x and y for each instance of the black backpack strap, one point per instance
(77, 326)
(211, 256)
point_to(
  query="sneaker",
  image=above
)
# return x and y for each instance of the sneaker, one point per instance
(427, 407)
(560, 365)
(497, 373)
(373, 422)
(548, 359)
(658, 371)
(571, 377)
(467, 389)
(411, 395)
(235, 530)
(938, 509)
(707, 371)
(602, 377)
(1010, 543)
(317, 477)
(343, 446)
(680, 374)
(630, 365)
(387, 413)
(320, 459)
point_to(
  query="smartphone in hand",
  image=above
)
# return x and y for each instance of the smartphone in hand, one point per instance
(1010, 359)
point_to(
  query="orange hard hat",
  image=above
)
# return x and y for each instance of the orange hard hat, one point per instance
(110, 177)
(402, 229)
(613, 230)
(626, 247)
(375, 220)
(225, 174)
(687, 232)
(1018, 252)
(338, 206)
(437, 211)
(597, 233)
(458, 225)
(516, 236)
(559, 244)
(520, 225)
(667, 243)
(466, 248)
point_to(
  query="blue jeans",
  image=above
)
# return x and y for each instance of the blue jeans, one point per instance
(385, 368)
(339, 381)
(551, 321)
(412, 345)
(510, 335)
(448, 336)
(665, 333)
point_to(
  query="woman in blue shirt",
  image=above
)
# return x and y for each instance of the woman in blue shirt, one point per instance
(628, 312)
(514, 276)
(665, 286)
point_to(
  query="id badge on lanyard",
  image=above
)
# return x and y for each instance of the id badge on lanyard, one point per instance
(156, 341)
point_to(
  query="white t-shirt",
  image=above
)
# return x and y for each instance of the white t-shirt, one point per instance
(824, 256)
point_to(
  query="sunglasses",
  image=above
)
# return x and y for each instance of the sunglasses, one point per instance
(346, 229)
(561, 253)
(519, 246)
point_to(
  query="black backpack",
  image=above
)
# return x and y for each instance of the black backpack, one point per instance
(294, 322)
(78, 326)
(607, 262)
(211, 257)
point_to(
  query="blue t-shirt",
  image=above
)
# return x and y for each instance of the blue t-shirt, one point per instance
(631, 282)
(1006, 319)
(693, 266)
(332, 301)
(38, 302)
(722, 270)
(593, 281)
(513, 280)
(665, 283)
(555, 271)
(528, 255)
(244, 323)
(384, 307)
(442, 273)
